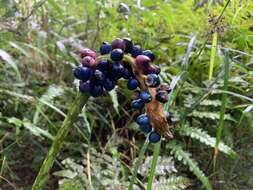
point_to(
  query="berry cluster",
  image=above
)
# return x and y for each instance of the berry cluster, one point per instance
(123, 59)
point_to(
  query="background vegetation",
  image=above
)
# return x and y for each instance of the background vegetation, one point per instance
(205, 51)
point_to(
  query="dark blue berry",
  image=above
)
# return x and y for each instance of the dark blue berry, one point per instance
(145, 96)
(152, 80)
(154, 137)
(117, 54)
(126, 74)
(143, 119)
(136, 51)
(109, 84)
(105, 48)
(117, 70)
(85, 87)
(146, 128)
(162, 96)
(96, 90)
(98, 76)
(103, 65)
(137, 104)
(128, 45)
(150, 54)
(82, 73)
(132, 83)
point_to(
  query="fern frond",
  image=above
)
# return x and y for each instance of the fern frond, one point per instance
(215, 103)
(172, 183)
(204, 137)
(185, 157)
(210, 115)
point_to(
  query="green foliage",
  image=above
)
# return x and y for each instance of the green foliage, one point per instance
(185, 157)
(172, 183)
(40, 41)
(204, 137)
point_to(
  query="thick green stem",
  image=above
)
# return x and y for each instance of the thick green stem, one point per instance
(153, 165)
(75, 109)
(138, 163)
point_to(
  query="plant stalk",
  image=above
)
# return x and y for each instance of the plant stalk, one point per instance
(47, 164)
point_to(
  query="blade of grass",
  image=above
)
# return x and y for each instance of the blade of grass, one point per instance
(223, 109)
(138, 163)
(213, 54)
(75, 109)
(153, 165)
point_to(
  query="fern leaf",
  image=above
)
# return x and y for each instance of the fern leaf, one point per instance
(204, 137)
(172, 183)
(185, 157)
(210, 115)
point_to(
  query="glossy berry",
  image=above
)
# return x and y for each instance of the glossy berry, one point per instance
(117, 70)
(88, 61)
(117, 54)
(142, 61)
(146, 128)
(136, 51)
(126, 74)
(128, 45)
(132, 83)
(103, 65)
(118, 44)
(145, 96)
(150, 54)
(143, 119)
(96, 90)
(88, 52)
(82, 73)
(84, 87)
(98, 76)
(108, 84)
(154, 137)
(152, 80)
(105, 48)
(137, 104)
(162, 96)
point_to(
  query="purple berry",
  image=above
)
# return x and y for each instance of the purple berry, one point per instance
(88, 52)
(142, 61)
(153, 69)
(162, 96)
(88, 61)
(126, 74)
(85, 87)
(98, 76)
(118, 44)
